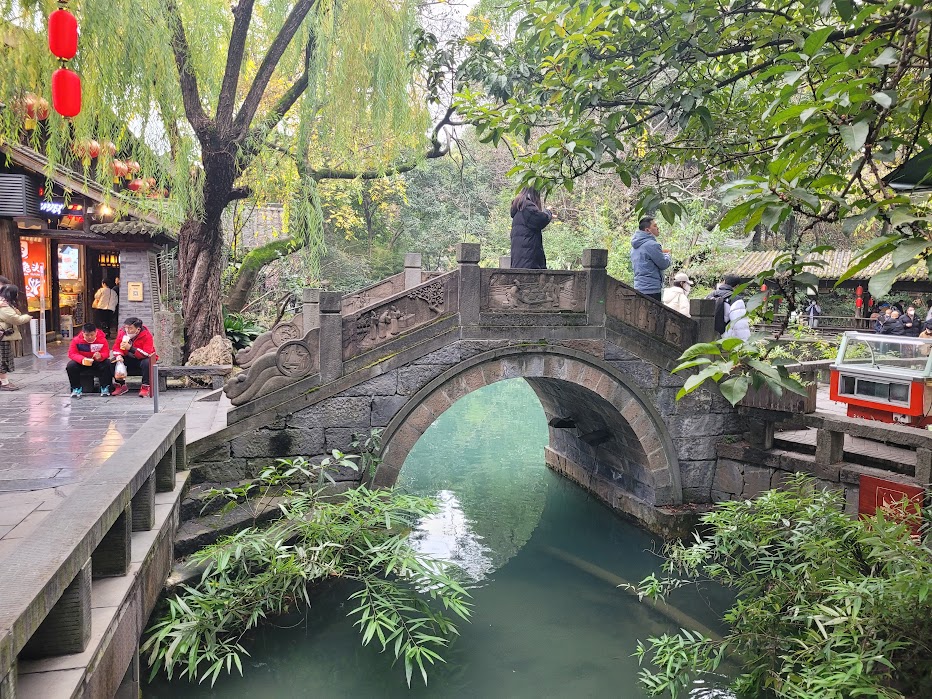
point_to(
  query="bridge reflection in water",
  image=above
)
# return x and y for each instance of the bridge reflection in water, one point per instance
(548, 619)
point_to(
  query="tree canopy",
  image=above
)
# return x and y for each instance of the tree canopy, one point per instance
(790, 107)
(200, 93)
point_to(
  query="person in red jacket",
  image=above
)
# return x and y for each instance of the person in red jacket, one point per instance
(88, 353)
(135, 347)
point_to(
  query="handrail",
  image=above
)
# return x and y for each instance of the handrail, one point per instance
(37, 572)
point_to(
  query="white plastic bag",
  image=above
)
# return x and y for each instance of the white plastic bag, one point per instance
(119, 372)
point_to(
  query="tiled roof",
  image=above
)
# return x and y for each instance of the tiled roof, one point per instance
(835, 263)
(131, 228)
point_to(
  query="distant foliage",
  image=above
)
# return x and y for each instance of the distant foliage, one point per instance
(828, 607)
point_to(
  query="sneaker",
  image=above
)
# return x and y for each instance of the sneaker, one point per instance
(105, 390)
(8, 387)
(118, 389)
(76, 392)
(144, 391)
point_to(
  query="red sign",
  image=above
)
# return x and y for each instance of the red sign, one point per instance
(35, 254)
(879, 494)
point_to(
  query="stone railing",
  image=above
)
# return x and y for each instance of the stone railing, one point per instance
(362, 328)
(45, 603)
(400, 313)
(533, 291)
(650, 316)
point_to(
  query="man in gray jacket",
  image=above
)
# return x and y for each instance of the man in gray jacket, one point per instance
(647, 259)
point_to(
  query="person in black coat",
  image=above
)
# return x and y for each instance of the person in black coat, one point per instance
(528, 220)
(912, 324)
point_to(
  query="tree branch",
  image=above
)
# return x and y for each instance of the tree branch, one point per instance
(190, 94)
(256, 137)
(251, 103)
(240, 193)
(242, 17)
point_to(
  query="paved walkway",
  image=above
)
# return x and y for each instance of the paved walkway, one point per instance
(49, 442)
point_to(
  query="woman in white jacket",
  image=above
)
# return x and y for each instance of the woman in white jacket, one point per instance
(677, 296)
(738, 325)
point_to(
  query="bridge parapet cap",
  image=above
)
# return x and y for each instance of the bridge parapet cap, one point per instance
(595, 258)
(310, 296)
(331, 302)
(467, 253)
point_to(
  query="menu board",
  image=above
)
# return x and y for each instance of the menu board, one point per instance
(35, 255)
(69, 257)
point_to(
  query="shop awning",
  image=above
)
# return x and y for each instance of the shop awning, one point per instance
(33, 161)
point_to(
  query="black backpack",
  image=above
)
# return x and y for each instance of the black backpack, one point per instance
(720, 296)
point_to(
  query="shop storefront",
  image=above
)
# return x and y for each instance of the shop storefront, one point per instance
(60, 240)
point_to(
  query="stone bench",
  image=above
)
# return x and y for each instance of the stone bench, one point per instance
(216, 372)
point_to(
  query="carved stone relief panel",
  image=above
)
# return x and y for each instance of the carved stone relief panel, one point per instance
(535, 291)
(381, 323)
(296, 360)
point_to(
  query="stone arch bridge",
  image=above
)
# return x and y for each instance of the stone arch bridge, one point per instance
(397, 354)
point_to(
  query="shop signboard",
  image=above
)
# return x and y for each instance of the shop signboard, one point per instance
(35, 255)
(69, 261)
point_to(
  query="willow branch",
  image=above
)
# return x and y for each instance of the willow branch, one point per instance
(242, 17)
(190, 93)
(267, 68)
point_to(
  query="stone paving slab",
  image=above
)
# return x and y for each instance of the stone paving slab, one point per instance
(50, 442)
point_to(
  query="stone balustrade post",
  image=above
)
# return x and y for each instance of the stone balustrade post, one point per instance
(166, 468)
(330, 322)
(143, 506)
(412, 269)
(112, 556)
(703, 312)
(595, 262)
(830, 447)
(761, 433)
(311, 309)
(923, 466)
(504, 262)
(467, 258)
(66, 629)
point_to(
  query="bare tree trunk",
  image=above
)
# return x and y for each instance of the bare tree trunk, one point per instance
(200, 254)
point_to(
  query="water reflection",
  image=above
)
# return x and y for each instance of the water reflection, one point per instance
(448, 535)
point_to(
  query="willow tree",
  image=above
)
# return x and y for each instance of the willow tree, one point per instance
(197, 92)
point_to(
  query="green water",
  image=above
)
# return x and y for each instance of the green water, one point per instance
(548, 620)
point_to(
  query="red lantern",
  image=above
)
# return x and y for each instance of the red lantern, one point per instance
(111, 147)
(119, 169)
(135, 185)
(35, 107)
(93, 148)
(81, 148)
(150, 181)
(66, 92)
(859, 292)
(133, 166)
(858, 302)
(63, 34)
(763, 287)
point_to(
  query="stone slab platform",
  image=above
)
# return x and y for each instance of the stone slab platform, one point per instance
(50, 442)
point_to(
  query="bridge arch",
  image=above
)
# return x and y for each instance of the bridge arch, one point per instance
(599, 418)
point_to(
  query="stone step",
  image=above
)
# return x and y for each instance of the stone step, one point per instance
(200, 532)
(857, 450)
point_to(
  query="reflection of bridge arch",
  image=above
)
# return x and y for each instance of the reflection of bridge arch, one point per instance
(612, 429)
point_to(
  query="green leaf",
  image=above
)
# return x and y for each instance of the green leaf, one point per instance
(909, 250)
(884, 98)
(735, 389)
(854, 135)
(880, 283)
(735, 215)
(814, 42)
(887, 57)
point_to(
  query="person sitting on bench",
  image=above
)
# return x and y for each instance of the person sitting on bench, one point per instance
(135, 347)
(88, 353)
